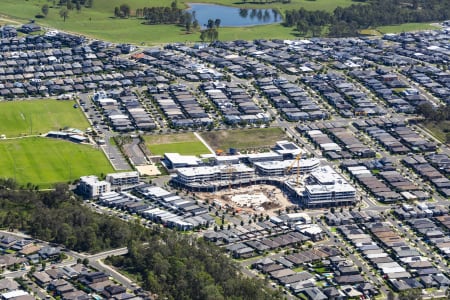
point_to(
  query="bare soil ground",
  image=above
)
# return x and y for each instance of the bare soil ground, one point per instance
(278, 201)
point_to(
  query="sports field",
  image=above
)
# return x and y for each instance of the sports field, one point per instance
(32, 117)
(243, 139)
(183, 143)
(45, 161)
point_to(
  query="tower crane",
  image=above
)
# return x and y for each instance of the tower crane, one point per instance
(296, 161)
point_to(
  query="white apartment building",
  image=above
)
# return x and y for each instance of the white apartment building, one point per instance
(214, 173)
(123, 178)
(328, 189)
(91, 187)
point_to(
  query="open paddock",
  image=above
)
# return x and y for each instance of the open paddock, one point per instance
(183, 143)
(243, 139)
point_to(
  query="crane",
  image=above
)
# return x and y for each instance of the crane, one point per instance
(230, 171)
(289, 169)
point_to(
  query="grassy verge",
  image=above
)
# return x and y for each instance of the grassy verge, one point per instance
(43, 161)
(243, 139)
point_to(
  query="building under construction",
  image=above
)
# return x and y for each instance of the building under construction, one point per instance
(319, 186)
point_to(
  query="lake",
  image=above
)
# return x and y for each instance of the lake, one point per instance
(233, 16)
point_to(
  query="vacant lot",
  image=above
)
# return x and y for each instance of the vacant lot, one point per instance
(44, 161)
(184, 143)
(438, 130)
(243, 139)
(98, 21)
(39, 116)
(406, 27)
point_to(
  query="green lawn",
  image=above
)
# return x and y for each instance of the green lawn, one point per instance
(98, 22)
(39, 116)
(243, 139)
(406, 27)
(298, 269)
(184, 143)
(44, 161)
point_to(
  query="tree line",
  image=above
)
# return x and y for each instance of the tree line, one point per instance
(347, 21)
(170, 264)
(437, 115)
(211, 32)
(160, 15)
(172, 15)
(65, 6)
(58, 216)
(178, 266)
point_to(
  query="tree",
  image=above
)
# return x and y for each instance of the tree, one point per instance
(78, 6)
(302, 27)
(412, 294)
(243, 12)
(390, 295)
(187, 21)
(116, 11)
(125, 10)
(195, 24)
(85, 262)
(64, 13)
(427, 110)
(44, 9)
(447, 138)
(210, 24)
(217, 23)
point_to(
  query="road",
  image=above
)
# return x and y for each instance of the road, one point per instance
(204, 143)
(95, 260)
(245, 268)
(111, 151)
(417, 243)
(134, 152)
(338, 241)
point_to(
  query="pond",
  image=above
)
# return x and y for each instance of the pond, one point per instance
(233, 16)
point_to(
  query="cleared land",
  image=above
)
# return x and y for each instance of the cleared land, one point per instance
(44, 161)
(406, 27)
(438, 130)
(39, 116)
(243, 139)
(184, 143)
(98, 21)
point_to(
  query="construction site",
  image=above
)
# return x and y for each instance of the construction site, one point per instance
(262, 198)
